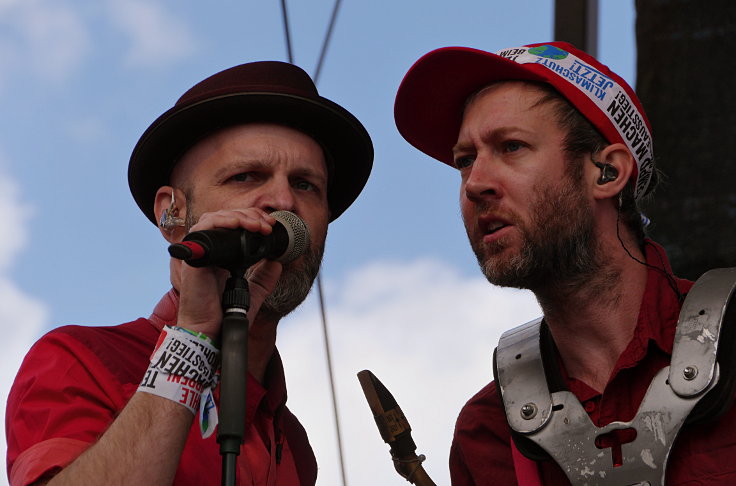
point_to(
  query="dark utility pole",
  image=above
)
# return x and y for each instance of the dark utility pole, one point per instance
(576, 22)
(685, 78)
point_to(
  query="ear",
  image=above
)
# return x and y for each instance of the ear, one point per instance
(162, 203)
(620, 159)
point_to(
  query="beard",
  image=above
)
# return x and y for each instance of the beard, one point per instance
(558, 245)
(293, 285)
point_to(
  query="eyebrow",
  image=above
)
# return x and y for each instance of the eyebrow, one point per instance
(501, 131)
(255, 163)
(243, 163)
(311, 173)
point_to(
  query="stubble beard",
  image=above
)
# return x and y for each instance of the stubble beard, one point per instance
(558, 249)
(293, 286)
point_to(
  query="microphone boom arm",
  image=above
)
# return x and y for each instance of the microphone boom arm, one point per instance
(394, 429)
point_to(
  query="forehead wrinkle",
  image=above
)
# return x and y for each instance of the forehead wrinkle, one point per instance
(519, 90)
(242, 163)
(262, 153)
(255, 162)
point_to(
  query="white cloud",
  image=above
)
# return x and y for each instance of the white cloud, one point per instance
(14, 215)
(21, 317)
(47, 37)
(425, 331)
(157, 36)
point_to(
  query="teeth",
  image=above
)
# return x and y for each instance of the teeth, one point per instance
(495, 226)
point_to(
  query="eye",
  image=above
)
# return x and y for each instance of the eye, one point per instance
(304, 185)
(513, 146)
(241, 177)
(464, 161)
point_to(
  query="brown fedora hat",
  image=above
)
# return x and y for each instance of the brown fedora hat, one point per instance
(266, 91)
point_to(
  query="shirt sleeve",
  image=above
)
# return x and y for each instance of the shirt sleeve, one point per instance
(481, 447)
(62, 400)
(459, 473)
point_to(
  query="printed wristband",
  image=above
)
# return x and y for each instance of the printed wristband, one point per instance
(183, 364)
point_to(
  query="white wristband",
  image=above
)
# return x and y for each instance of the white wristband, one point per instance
(182, 365)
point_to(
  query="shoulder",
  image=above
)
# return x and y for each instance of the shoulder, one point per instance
(140, 331)
(70, 386)
(481, 447)
(483, 408)
(113, 347)
(101, 355)
(482, 421)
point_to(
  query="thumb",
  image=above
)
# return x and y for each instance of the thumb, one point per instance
(262, 281)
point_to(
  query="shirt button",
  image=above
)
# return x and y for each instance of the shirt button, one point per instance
(589, 406)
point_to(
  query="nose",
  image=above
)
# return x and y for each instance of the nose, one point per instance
(277, 195)
(481, 181)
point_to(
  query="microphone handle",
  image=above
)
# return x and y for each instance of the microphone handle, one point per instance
(229, 248)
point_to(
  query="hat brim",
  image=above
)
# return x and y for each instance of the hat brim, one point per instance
(342, 136)
(429, 103)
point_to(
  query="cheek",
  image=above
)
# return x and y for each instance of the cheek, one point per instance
(317, 224)
(468, 214)
(467, 207)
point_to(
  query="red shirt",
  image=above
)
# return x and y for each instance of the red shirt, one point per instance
(702, 455)
(75, 380)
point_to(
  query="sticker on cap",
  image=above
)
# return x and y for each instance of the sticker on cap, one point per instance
(609, 96)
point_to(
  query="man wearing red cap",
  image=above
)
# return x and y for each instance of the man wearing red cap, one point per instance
(133, 404)
(554, 152)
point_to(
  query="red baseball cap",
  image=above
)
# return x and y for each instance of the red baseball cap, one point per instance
(431, 99)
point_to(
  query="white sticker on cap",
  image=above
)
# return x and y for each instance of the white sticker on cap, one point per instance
(610, 98)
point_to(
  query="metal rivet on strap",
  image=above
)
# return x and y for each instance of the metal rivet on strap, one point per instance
(528, 411)
(690, 372)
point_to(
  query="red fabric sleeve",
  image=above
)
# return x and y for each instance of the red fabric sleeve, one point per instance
(45, 458)
(481, 452)
(62, 400)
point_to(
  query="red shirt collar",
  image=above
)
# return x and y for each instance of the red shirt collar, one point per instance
(657, 321)
(660, 308)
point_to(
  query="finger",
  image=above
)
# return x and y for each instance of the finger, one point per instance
(252, 219)
(262, 280)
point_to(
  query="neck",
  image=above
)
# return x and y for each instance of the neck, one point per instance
(592, 321)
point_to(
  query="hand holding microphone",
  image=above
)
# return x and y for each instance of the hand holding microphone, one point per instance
(236, 250)
(239, 248)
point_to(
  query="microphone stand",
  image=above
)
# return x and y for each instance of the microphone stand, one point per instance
(233, 372)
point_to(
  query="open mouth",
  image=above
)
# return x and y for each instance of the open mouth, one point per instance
(495, 226)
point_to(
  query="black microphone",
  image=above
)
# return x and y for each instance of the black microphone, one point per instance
(238, 248)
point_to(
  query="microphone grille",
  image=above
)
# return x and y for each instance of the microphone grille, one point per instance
(298, 233)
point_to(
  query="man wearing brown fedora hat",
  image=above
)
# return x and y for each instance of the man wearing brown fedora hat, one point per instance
(554, 151)
(133, 404)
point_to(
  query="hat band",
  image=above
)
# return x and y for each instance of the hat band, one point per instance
(608, 95)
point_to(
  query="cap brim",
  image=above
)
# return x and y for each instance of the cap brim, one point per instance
(342, 136)
(430, 100)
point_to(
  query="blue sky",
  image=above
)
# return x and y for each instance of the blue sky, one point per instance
(79, 83)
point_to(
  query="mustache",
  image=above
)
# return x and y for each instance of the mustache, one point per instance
(486, 208)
